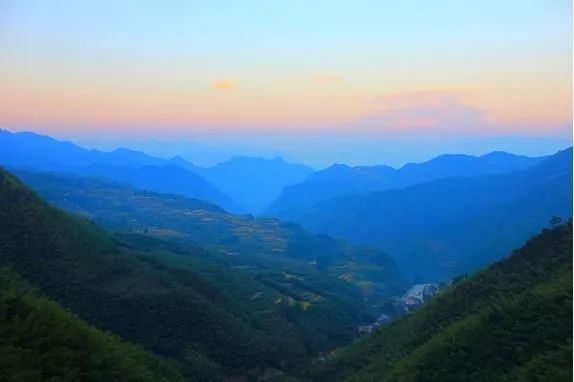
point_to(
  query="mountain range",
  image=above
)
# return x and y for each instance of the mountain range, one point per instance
(340, 180)
(442, 228)
(240, 185)
(414, 212)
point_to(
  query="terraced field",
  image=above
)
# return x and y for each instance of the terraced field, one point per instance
(310, 287)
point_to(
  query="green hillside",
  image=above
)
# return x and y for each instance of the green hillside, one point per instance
(165, 308)
(308, 289)
(216, 312)
(41, 341)
(241, 240)
(511, 322)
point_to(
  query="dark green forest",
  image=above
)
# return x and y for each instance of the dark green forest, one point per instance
(510, 322)
(41, 341)
(314, 287)
(215, 316)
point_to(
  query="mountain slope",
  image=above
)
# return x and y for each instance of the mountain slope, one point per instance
(340, 180)
(254, 182)
(442, 228)
(29, 150)
(42, 341)
(283, 287)
(122, 286)
(169, 179)
(251, 183)
(513, 321)
(26, 149)
(240, 240)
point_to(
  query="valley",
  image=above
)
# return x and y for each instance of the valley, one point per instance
(218, 295)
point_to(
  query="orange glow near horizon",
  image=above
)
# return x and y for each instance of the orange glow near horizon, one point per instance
(469, 68)
(299, 103)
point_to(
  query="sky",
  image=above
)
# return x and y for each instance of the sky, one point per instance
(320, 81)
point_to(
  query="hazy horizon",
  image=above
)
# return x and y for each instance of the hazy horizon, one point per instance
(318, 151)
(359, 83)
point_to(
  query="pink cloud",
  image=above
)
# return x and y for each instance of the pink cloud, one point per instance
(433, 109)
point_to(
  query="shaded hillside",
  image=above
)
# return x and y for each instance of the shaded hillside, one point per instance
(246, 311)
(242, 241)
(169, 178)
(143, 295)
(510, 322)
(340, 180)
(443, 228)
(41, 341)
(29, 150)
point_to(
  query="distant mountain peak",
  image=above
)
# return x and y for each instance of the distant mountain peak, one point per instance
(255, 159)
(336, 167)
(181, 161)
(448, 157)
(500, 155)
(339, 165)
(340, 180)
(126, 150)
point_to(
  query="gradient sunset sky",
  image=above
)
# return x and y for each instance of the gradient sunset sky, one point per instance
(370, 69)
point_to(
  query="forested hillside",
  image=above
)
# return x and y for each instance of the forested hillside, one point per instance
(255, 244)
(41, 341)
(213, 315)
(170, 310)
(510, 322)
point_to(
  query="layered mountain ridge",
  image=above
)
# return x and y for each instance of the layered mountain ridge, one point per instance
(439, 229)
